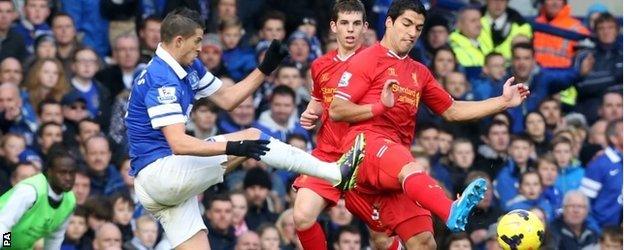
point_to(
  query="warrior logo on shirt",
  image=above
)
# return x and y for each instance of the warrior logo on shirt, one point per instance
(167, 95)
(344, 80)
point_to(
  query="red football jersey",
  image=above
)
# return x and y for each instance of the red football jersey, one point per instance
(330, 133)
(363, 81)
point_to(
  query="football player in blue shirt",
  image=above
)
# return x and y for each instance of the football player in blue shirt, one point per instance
(170, 167)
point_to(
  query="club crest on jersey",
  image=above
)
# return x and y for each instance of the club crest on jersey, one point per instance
(344, 79)
(167, 95)
(392, 71)
(325, 77)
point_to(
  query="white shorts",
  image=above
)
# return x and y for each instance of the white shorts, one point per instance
(168, 188)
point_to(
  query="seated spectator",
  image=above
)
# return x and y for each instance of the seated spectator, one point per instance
(23, 171)
(218, 217)
(99, 212)
(573, 230)
(535, 128)
(239, 211)
(87, 128)
(82, 187)
(19, 117)
(149, 34)
(33, 23)
(119, 77)
(299, 49)
(288, 75)
(257, 185)
(597, 135)
(11, 71)
(458, 241)
(492, 77)
(602, 183)
(570, 172)
(13, 43)
(501, 24)
(461, 159)
(97, 97)
(64, 32)
(456, 84)
(550, 108)
(74, 109)
(549, 51)
(50, 111)
(269, 237)
(46, 80)
(507, 182)
(308, 27)
(445, 141)
(443, 62)
(611, 107)
(348, 238)
(107, 236)
(530, 195)
(105, 178)
(486, 213)
(427, 137)
(282, 119)
(47, 135)
(435, 34)
(493, 154)
(211, 55)
(123, 207)
(286, 227)
(238, 60)
(145, 234)
(606, 74)
(242, 117)
(611, 238)
(76, 229)
(548, 171)
(248, 241)
(11, 146)
(470, 52)
(272, 26)
(203, 119)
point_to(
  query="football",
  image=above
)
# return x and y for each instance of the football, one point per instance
(520, 230)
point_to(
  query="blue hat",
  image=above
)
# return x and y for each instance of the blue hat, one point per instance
(298, 35)
(72, 97)
(594, 8)
(262, 46)
(30, 156)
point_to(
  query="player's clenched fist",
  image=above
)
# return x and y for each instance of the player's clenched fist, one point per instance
(248, 148)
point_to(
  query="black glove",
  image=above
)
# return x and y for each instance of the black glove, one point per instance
(273, 57)
(249, 148)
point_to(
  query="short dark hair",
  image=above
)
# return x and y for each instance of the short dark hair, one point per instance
(493, 124)
(46, 125)
(180, 22)
(151, 18)
(612, 232)
(283, 90)
(61, 14)
(457, 237)
(286, 66)
(527, 173)
(426, 126)
(57, 151)
(612, 129)
(99, 207)
(217, 197)
(560, 140)
(398, 7)
(83, 48)
(347, 6)
(605, 17)
(273, 15)
(347, 229)
(296, 137)
(48, 101)
(549, 99)
(124, 197)
(491, 55)
(523, 138)
(522, 45)
(230, 23)
(205, 102)
(80, 211)
(87, 119)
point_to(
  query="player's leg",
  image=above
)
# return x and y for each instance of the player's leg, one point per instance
(287, 157)
(423, 240)
(381, 241)
(308, 206)
(408, 220)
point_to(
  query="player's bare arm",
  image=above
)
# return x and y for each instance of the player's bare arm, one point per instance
(229, 97)
(513, 95)
(311, 114)
(347, 111)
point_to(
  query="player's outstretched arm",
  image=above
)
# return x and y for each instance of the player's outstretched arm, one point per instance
(344, 110)
(229, 97)
(513, 95)
(183, 144)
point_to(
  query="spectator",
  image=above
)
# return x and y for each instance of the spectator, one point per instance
(611, 108)
(548, 171)
(427, 138)
(443, 62)
(119, 77)
(486, 213)
(597, 133)
(46, 80)
(33, 23)
(470, 52)
(348, 238)
(105, 179)
(299, 49)
(286, 227)
(219, 222)
(47, 135)
(461, 159)
(87, 128)
(107, 236)
(76, 229)
(535, 128)
(123, 207)
(549, 49)
(501, 25)
(550, 108)
(204, 119)
(272, 26)
(436, 33)
(257, 185)
(240, 118)
(370, 38)
(530, 195)
(82, 187)
(97, 97)
(145, 234)
(288, 74)
(492, 77)
(269, 237)
(507, 182)
(445, 141)
(308, 27)
(149, 34)
(603, 180)
(22, 172)
(572, 230)
(606, 74)
(11, 71)
(248, 241)
(11, 146)
(12, 44)
(44, 47)
(19, 117)
(458, 241)
(611, 238)
(570, 172)
(456, 84)
(74, 108)
(50, 111)
(282, 119)
(64, 31)
(211, 55)
(90, 22)
(493, 154)
(238, 60)
(239, 211)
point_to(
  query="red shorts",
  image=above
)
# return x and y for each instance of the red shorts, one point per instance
(318, 185)
(393, 213)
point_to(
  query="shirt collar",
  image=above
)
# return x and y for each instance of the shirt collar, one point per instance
(165, 56)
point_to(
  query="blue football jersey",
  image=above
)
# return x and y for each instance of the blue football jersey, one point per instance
(162, 95)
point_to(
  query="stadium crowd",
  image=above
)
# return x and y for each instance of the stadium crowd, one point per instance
(66, 68)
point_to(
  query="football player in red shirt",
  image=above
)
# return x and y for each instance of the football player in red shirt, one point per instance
(378, 95)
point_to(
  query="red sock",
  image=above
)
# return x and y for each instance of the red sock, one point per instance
(396, 244)
(313, 238)
(424, 190)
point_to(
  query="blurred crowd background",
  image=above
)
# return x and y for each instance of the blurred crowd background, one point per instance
(66, 67)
